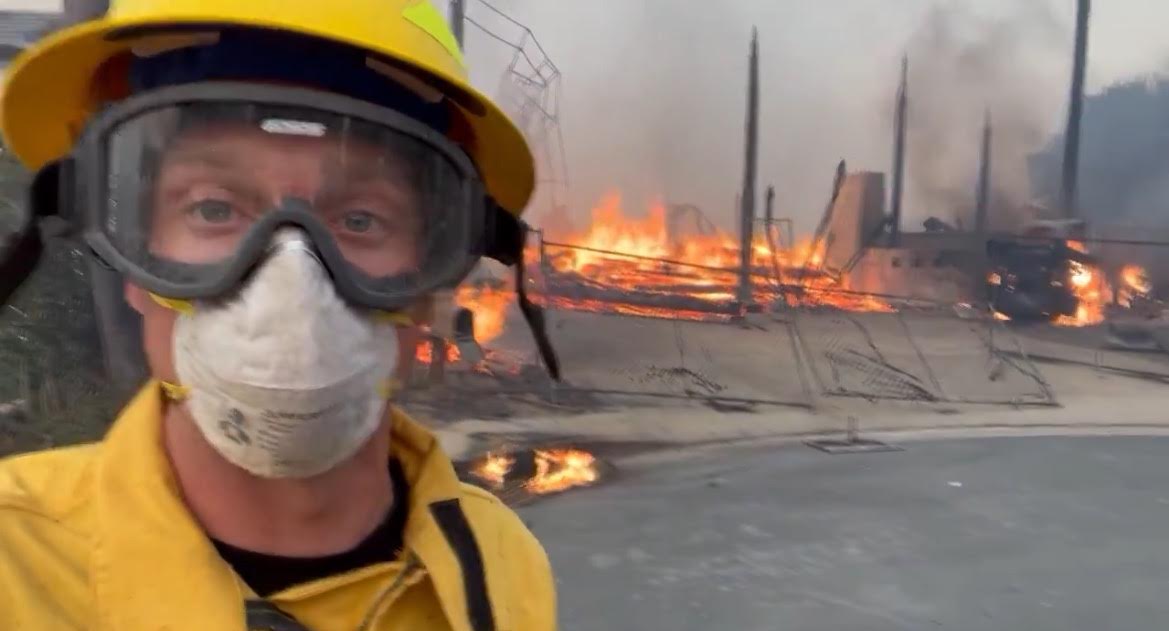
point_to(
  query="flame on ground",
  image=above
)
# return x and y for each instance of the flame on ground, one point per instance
(661, 255)
(670, 265)
(494, 469)
(424, 352)
(489, 304)
(1134, 284)
(556, 470)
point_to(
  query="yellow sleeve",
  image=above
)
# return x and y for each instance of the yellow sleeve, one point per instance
(543, 613)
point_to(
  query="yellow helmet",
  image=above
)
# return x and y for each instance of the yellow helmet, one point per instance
(52, 89)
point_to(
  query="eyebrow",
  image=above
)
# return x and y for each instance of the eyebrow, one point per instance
(212, 157)
(391, 170)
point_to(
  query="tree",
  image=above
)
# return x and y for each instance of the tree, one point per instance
(1124, 156)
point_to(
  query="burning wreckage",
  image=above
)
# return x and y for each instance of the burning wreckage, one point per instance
(1049, 274)
(675, 263)
(858, 268)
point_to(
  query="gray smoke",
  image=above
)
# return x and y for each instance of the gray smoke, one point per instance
(655, 93)
(962, 65)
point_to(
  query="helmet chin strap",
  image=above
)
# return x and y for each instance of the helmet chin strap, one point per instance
(534, 316)
(505, 243)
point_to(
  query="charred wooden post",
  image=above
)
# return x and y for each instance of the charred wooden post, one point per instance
(437, 372)
(458, 21)
(899, 130)
(581, 292)
(769, 207)
(1071, 146)
(75, 11)
(982, 204)
(981, 212)
(747, 198)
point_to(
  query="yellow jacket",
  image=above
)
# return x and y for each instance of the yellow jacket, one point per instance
(97, 537)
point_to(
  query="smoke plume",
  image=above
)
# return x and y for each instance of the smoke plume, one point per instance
(655, 96)
(963, 65)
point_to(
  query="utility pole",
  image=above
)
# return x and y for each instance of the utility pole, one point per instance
(747, 198)
(458, 19)
(75, 11)
(1071, 138)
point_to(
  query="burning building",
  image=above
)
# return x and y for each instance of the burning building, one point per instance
(673, 262)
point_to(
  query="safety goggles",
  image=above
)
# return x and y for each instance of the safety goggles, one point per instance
(183, 188)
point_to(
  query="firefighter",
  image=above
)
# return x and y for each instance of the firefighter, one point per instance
(279, 185)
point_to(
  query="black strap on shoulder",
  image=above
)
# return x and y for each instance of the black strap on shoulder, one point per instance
(261, 615)
(453, 523)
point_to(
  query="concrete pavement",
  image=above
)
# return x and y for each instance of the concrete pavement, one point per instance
(810, 375)
(983, 534)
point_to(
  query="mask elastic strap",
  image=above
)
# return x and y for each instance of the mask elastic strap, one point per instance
(175, 392)
(185, 307)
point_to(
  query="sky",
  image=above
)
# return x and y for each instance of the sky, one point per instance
(653, 91)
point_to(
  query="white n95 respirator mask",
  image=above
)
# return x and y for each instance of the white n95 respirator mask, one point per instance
(285, 380)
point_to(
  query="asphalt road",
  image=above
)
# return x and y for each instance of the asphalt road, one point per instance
(1003, 533)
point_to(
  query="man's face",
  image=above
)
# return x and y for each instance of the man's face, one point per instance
(216, 180)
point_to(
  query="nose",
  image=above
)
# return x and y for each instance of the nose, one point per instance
(290, 238)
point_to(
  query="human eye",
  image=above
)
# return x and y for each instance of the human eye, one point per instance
(211, 211)
(360, 221)
(370, 218)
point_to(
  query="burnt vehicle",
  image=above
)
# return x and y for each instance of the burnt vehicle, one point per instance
(1034, 276)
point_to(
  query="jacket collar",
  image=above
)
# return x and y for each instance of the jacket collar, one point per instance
(153, 566)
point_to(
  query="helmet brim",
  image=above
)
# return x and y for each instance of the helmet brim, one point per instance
(54, 87)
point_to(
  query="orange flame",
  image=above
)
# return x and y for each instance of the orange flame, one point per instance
(494, 468)
(1091, 289)
(556, 470)
(562, 469)
(489, 304)
(1136, 278)
(424, 354)
(653, 256)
